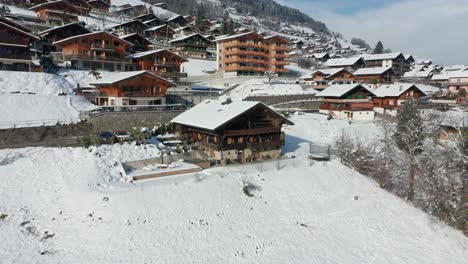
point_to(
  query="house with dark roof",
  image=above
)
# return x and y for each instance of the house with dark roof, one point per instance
(154, 22)
(161, 32)
(323, 78)
(57, 13)
(139, 42)
(192, 46)
(162, 62)
(376, 75)
(99, 5)
(352, 63)
(347, 101)
(129, 27)
(235, 131)
(131, 88)
(395, 60)
(178, 21)
(15, 46)
(51, 35)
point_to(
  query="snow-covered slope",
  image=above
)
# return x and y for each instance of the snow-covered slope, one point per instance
(197, 67)
(60, 208)
(33, 82)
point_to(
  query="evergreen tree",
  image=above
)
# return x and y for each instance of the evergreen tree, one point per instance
(409, 138)
(379, 48)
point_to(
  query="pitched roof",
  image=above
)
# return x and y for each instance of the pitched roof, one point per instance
(342, 62)
(372, 71)
(158, 27)
(150, 52)
(45, 4)
(130, 22)
(222, 38)
(395, 89)
(64, 26)
(384, 56)
(118, 77)
(90, 34)
(320, 55)
(189, 36)
(19, 30)
(329, 72)
(338, 90)
(211, 114)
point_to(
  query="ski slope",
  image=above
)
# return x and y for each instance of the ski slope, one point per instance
(63, 205)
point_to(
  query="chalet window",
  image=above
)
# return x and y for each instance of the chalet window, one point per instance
(84, 40)
(229, 141)
(240, 140)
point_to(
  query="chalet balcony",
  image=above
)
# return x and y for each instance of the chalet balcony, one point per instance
(281, 55)
(20, 56)
(277, 62)
(245, 68)
(281, 48)
(95, 46)
(245, 52)
(234, 44)
(96, 58)
(245, 60)
(280, 70)
(364, 106)
(252, 131)
(141, 94)
(183, 44)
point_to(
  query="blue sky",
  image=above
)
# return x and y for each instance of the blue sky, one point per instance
(429, 29)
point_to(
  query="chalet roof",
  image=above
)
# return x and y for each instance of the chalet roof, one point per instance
(222, 38)
(218, 112)
(42, 33)
(121, 76)
(187, 37)
(328, 72)
(151, 20)
(15, 24)
(144, 15)
(320, 55)
(338, 90)
(372, 71)
(150, 52)
(276, 37)
(126, 37)
(90, 34)
(51, 3)
(395, 89)
(384, 56)
(104, 2)
(19, 30)
(158, 27)
(342, 62)
(130, 22)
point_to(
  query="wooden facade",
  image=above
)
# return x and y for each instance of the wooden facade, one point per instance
(193, 46)
(57, 13)
(99, 5)
(55, 34)
(386, 76)
(15, 47)
(252, 135)
(132, 88)
(393, 101)
(139, 42)
(251, 53)
(130, 27)
(321, 79)
(161, 32)
(162, 62)
(97, 50)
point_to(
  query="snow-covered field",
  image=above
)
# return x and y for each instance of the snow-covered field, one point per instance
(61, 205)
(197, 67)
(261, 87)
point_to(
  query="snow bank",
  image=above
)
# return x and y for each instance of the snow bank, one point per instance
(299, 213)
(196, 67)
(33, 82)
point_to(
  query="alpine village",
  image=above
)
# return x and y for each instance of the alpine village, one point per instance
(148, 98)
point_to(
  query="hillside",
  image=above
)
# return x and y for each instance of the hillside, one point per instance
(67, 209)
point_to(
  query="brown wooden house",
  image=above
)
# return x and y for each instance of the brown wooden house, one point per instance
(131, 11)
(139, 42)
(96, 50)
(323, 78)
(193, 46)
(57, 13)
(163, 62)
(55, 34)
(82, 5)
(15, 47)
(178, 21)
(234, 131)
(351, 101)
(154, 22)
(129, 27)
(389, 97)
(131, 88)
(161, 32)
(376, 75)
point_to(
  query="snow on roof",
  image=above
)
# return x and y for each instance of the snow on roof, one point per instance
(394, 90)
(211, 114)
(130, 22)
(320, 55)
(146, 53)
(372, 71)
(186, 37)
(156, 27)
(384, 56)
(125, 75)
(221, 38)
(342, 61)
(338, 90)
(90, 34)
(19, 30)
(66, 25)
(328, 72)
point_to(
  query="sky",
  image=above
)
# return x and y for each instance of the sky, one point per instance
(428, 29)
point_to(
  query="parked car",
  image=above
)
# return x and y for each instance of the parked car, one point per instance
(107, 138)
(123, 136)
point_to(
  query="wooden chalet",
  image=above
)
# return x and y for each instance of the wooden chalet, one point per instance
(458, 81)
(131, 88)
(154, 22)
(162, 62)
(178, 21)
(15, 44)
(49, 36)
(323, 78)
(162, 32)
(99, 5)
(351, 101)
(389, 97)
(192, 46)
(376, 75)
(139, 42)
(395, 60)
(352, 63)
(190, 19)
(97, 50)
(234, 131)
(185, 31)
(162, 5)
(321, 57)
(132, 26)
(146, 17)
(57, 13)
(131, 11)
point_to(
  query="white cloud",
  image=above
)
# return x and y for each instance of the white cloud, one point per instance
(434, 29)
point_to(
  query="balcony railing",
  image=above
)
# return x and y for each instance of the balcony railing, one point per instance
(252, 131)
(245, 60)
(281, 48)
(233, 44)
(96, 58)
(103, 46)
(347, 108)
(16, 56)
(245, 68)
(281, 55)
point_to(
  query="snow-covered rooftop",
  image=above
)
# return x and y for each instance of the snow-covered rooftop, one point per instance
(211, 114)
(384, 56)
(394, 90)
(125, 75)
(342, 62)
(146, 53)
(372, 71)
(338, 90)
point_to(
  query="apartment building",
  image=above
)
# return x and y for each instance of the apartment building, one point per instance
(252, 54)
